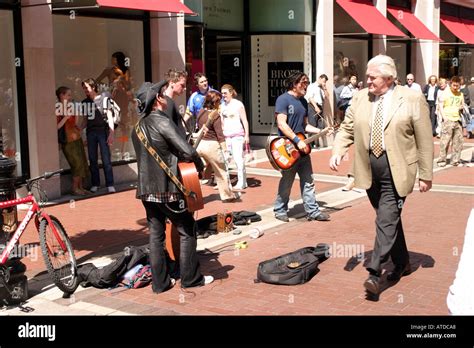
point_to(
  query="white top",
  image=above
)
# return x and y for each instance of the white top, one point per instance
(431, 93)
(460, 298)
(415, 86)
(348, 92)
(439, 100)
(315, 92)
(231, 123)
(387, 98)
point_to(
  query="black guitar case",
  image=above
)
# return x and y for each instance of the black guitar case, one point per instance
(293, 268)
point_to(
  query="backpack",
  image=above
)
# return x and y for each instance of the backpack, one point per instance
(109, 104)
(140, 279)
(293, 268)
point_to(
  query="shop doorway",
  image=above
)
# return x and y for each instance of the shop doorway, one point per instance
(224, 62)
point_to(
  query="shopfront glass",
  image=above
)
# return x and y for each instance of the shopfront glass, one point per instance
(398, 51)
(83, 48)
(8, 90)
(350, 58)
(466, 63)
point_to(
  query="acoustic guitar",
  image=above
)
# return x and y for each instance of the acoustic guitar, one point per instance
(190, 180)
(189, 174)
(283, 153)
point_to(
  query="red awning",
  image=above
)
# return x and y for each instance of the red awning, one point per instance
(369, 18)
(413, 24)
(173, 6)
(469, 24)
(458, 28)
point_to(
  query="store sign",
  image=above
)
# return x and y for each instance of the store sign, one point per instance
(278, 73)
(218, 14)
(281, 15)
(72, 4)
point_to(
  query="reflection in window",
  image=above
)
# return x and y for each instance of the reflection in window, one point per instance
(8, 90)
(84, 48)
(398, 51)
(350, 58)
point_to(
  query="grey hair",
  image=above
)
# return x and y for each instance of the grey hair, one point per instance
(384, 64)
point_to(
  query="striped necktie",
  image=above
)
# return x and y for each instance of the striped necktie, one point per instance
(377, 129)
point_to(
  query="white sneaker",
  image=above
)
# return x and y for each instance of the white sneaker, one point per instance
(208, 280)
(94, 189)
(111, 189)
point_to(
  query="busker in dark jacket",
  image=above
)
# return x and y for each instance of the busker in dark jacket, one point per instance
(160, 196)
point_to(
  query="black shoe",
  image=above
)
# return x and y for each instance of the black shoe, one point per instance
(398, 272)
(283, 218)
(319, 217)
(372, 285)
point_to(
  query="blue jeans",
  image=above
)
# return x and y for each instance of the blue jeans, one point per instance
(305, 172)
(97, 139)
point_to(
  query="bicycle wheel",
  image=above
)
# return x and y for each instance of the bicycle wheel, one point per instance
(60, 263)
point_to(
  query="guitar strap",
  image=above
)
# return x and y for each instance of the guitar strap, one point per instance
(141, 135)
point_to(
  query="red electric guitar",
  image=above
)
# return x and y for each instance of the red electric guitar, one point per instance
(283, 153)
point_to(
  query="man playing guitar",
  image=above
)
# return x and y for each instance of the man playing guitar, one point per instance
(291, 112)
(160, 195)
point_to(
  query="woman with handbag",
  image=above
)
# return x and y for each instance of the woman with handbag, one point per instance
(69, 137)
(235, 127)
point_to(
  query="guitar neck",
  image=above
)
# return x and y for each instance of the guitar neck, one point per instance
(315, 136)
(210, 119)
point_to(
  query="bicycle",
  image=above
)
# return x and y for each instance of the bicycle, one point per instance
(56, 247)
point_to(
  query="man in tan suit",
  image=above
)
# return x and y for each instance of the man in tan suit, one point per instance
(390, 127)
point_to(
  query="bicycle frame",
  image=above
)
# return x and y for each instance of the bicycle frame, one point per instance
(34, 210)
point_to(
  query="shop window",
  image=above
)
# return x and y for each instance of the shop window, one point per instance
(8, 90)
(398, 51)
(466, 63)
(83, 48)
(350, 57)
(448, 61)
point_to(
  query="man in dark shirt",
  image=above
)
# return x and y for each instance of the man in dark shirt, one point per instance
(291, 112)
(100, 133)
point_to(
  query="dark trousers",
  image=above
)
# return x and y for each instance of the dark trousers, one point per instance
(389, 240)
(98, 139)
(156, 214)
(433, 117)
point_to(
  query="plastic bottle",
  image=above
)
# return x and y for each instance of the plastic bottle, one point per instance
(255, 233)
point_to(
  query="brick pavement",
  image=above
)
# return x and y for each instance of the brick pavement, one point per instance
(102, 225)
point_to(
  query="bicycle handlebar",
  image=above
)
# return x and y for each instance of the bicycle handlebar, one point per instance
(46, 175)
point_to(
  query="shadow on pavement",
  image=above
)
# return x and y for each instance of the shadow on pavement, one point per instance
(108, 242)
(212, 197)
(417, 260)
(252, 182)
(211, 265)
